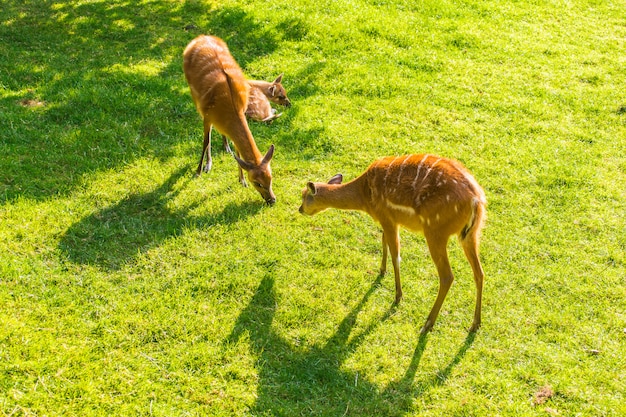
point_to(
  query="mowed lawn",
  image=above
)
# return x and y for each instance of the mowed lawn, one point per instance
(130, 287)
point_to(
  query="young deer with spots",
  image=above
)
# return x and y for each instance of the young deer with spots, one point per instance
(220, 93)
(261, 94)
(424, 193)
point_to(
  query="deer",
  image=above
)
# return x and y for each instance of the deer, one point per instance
(261, 94)
(423, 193)
(220, 93)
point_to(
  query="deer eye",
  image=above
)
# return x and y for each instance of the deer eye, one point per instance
(258, 185)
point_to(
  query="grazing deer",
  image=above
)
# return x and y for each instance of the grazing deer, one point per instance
(424, 193)
(261, 93)
(220, 93)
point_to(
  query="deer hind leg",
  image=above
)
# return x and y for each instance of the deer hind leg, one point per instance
(206, 150)
(437, 246)
(392, 238)
(470, 247)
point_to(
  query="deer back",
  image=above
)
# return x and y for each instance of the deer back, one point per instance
(423, 192)
(218, 87)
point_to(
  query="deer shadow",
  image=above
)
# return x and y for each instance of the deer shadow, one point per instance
(295, 382)
(109, 238)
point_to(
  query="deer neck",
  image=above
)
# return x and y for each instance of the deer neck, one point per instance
(244, 142)
(349, 196)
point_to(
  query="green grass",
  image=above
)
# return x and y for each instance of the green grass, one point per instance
(129, 287)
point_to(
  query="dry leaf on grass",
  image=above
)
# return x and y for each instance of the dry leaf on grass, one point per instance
(31, 103)
(543, 395)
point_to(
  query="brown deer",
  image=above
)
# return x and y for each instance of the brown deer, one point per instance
(424, 193)
(261, 94)
(259, 107)
(220, 93)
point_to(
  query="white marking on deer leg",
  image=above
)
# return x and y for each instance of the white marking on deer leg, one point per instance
(405, 209)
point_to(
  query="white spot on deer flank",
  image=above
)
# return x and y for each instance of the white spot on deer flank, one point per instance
(405, 209)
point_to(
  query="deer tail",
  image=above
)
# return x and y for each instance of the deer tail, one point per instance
(476, 220)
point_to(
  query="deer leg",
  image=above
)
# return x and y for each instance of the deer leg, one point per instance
(392, 235)
(470, 247)
(226, 145)
(272, 116)
(439, 253)
(383, 264)
(242, 179)
(206, 150)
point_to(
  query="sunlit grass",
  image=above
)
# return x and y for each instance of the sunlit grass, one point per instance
(130, 287)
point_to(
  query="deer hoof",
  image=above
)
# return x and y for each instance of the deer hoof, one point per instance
(475, 327)
(398, 299)
(428, 326)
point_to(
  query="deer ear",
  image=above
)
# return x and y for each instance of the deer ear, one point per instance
(268, 156)
(278, 79)
(311, 187)
(246, 166)
(336, 179)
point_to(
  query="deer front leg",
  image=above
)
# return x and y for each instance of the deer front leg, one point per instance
(272, 116)
(383, 264)
(392, 236)
(226, 144)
